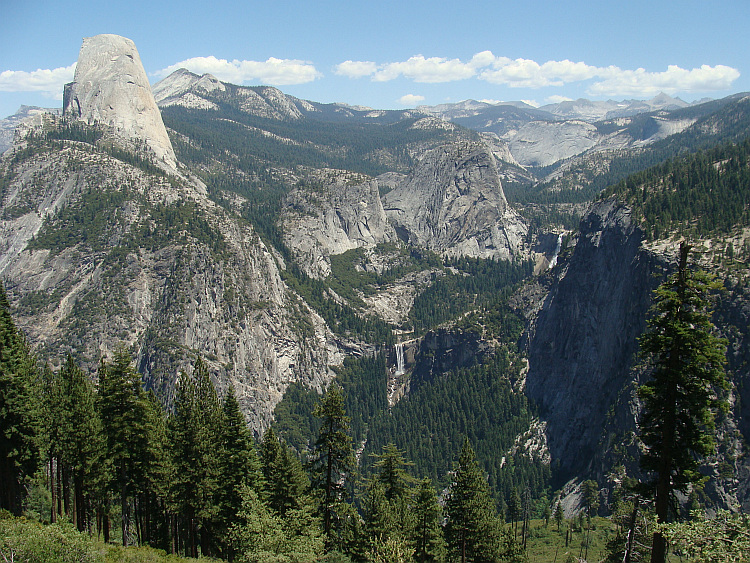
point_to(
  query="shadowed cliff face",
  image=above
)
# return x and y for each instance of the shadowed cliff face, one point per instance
(584, 340)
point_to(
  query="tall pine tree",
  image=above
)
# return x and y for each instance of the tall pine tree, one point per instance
(679, 401)
(196, 451)
(332, 459)
(123, 414)
(20, 406)
(472, 529)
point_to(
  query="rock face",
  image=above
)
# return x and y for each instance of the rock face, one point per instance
(335, 212)
(183, 88)
(96, 253)
(453, 204)
(541, 143)
(581, 346)
(111, 87)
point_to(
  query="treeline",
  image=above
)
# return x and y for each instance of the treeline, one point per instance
(704, 193)
(102, 453)
(368, 148)
(469, 283)
(430, 423)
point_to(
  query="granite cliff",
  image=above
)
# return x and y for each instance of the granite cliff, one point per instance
(581, 341)
(453, 204)
(111, 88)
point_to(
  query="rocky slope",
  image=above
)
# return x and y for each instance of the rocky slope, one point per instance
(9, 124)
(331, 213)
(99, 248)
(583, 337)
(97, 253)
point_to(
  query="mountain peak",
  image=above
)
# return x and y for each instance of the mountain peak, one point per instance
(111, 88)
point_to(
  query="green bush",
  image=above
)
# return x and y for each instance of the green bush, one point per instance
(23, 540)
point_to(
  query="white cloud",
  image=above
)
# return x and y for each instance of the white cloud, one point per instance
(527, 73)
(426, 70)
(410, 100)
(355, 69)
(49, 82)
(675, 79)
(278, 72)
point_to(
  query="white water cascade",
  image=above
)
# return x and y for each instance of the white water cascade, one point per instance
(400, 358)
(553, 262)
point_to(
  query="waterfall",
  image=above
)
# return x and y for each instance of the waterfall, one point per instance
(553, 262)
(399, 358)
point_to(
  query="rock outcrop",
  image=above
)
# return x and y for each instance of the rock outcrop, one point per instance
(541, 143)
(334, 212)
(111, 88)
(453, 203)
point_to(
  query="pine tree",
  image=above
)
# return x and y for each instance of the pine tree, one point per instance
(332, 458)
(20, 412)
(679, 401)
(196, 450)
(287, 483)
(472, 528)
(559, 515)
(123, 416)
(153, 491)
(427, 534)
(239, 467)
(391, 471)
(80, 442)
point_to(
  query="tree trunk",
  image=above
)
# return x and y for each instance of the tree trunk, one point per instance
(53, 490)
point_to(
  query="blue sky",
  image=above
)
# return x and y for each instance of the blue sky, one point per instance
(395, 54)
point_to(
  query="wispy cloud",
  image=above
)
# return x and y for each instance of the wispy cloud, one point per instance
(49, 82)
(410, 100)
(277, 72)
(527, 73)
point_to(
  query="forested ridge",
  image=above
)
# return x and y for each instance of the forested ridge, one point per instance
(100, 451)
(700, 194)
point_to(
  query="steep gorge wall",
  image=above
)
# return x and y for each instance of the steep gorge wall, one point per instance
(582, 343)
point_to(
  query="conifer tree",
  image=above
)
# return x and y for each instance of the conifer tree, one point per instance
(391, 471)
(472, 529)
(679, 401)
(239, 466)
(287, 483)
(123, 416)
(20, 404)
(196, 450)
(79, 439)
(559, 515)
(332, 458)
(153, 491)
(427, 534)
